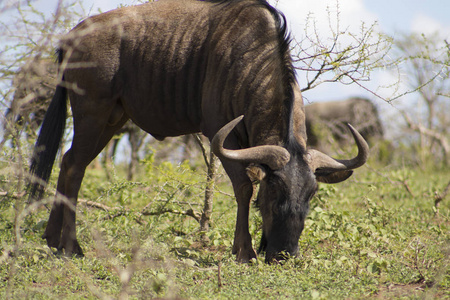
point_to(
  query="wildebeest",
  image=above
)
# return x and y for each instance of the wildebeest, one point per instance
(179, 67)
(333, 116)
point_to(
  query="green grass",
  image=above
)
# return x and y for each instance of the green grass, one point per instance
(375, 236)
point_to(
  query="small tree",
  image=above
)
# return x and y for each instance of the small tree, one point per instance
(344, 56)
(426, 63)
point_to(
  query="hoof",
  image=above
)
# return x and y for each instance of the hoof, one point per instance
(71, 249)
(246, 256)
(52, 242)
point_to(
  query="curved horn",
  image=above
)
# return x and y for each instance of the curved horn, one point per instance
(275, 157)
(317, 159)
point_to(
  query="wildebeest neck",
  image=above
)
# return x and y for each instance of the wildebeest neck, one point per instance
(253, 64)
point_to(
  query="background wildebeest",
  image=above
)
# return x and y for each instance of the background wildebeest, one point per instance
(179, 67)
(326, 122)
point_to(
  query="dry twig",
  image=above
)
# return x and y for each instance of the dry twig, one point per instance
(122, 211)
(438, 137)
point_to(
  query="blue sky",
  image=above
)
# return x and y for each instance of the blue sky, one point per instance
(394, 17)
(411, 15)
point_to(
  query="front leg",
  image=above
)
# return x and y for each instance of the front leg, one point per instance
(242, 246)
(243, 190)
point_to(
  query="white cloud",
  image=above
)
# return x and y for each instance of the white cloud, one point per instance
(325, 14)
(351, 14)
(427, 25)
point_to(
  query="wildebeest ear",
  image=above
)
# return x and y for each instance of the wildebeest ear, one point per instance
(327, 176)
(255, 172)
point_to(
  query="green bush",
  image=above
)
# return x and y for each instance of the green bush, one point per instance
(366, 237)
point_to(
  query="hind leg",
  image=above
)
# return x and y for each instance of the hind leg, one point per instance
(59, 212)
(91, 133)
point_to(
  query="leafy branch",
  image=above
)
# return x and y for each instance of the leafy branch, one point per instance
(345, 57)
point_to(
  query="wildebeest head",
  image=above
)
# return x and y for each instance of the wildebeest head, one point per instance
(283, 200)
(288, 180)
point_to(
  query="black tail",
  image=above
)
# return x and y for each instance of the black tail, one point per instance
(48, 141)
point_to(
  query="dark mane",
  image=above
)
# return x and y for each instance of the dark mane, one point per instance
(288, 75)
(288, 72)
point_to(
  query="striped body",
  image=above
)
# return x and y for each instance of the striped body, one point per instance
(180, 67)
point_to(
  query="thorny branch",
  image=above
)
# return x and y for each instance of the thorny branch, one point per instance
(12, 195)
(199, 142)
(189, 212)
(203, 218)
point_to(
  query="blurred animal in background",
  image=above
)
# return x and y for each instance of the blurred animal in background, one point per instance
(326, 122)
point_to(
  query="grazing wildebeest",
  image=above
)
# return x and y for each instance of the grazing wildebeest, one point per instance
(179, 67)
(333, 117)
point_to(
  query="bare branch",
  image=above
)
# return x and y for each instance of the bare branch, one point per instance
(188, 212)
(404, 182)
(121, 211)
(97, 205)
(440, 138)
(346, 57)
(199, 142)
(439, 197)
